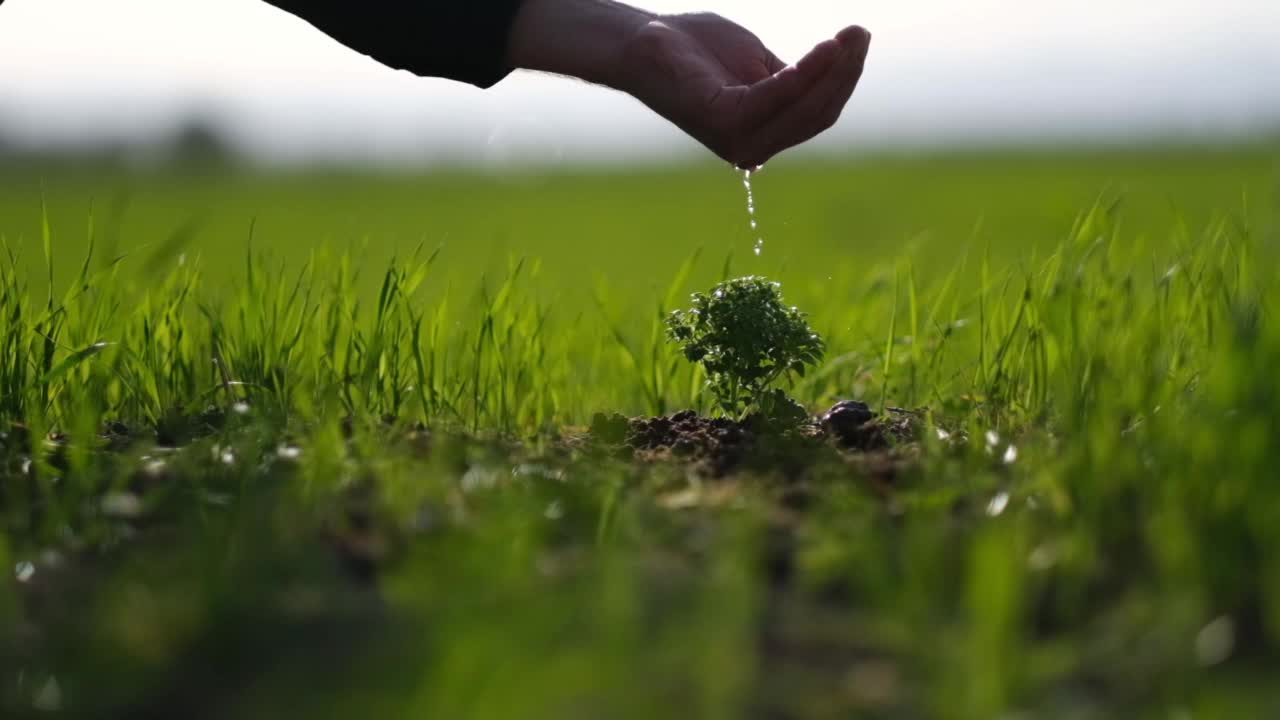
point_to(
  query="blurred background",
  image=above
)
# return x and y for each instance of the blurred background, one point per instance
(1117, 157)
(135, 74)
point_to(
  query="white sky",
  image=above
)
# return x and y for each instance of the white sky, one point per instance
(78, 70)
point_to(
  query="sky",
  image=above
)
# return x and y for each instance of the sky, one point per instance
(940, 72)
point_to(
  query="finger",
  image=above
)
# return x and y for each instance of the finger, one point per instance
(768, 97)
(858, 42)
(820, 107)
(772, 63)
(853, 35)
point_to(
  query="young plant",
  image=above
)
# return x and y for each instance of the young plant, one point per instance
(746, 338)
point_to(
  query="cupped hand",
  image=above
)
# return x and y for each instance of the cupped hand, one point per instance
(720, 84)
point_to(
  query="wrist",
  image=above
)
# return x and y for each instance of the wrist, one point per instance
(579, 38)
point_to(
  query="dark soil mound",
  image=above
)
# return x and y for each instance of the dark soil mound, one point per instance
(722, 445)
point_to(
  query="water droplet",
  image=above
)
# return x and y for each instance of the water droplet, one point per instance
(1011, 455)
(288, 452)
(1042, 558)
(998, 504)
(479, 478)
(1216, 641)
(49, 699)
(124, 505)
(24, 571)
(533, 470)
(241, 408)
(751, 211)
(992, 439)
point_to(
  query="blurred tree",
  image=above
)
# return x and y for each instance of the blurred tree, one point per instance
(199, 143)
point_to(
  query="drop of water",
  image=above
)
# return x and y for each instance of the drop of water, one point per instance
(1216, 641)
(751, 210)
(1011, 455)
(998, 504)
(122, 505)
(49, 699)
(24, 571)
(1042, 558)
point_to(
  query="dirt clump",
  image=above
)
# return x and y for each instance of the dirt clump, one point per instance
(854, 426)
(719, 444)
(722, 444)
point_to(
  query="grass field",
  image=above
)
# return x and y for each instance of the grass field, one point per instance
(323, 443)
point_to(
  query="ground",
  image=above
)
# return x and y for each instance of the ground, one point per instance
(326, 443)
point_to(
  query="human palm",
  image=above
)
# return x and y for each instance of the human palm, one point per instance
(720, 84)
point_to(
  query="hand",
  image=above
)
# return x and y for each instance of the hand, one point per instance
(709, 76)
(719, 83)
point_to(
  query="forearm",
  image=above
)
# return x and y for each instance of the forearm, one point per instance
(464, 40)
(480, 41)
(578, 38)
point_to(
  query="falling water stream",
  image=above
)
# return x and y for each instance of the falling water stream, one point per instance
(751, 211)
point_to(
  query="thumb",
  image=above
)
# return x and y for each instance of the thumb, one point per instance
(773, 94)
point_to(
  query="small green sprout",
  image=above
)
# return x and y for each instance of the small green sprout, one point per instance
(746, 338)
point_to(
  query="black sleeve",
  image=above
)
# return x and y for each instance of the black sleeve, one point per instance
(457, 39)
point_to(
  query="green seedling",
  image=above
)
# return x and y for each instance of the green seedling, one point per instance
(746, 338)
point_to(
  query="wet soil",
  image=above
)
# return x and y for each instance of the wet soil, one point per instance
(721, 446)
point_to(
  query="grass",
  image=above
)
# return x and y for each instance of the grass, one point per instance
(311, 443)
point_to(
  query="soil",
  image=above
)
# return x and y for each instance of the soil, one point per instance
(722, 445)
